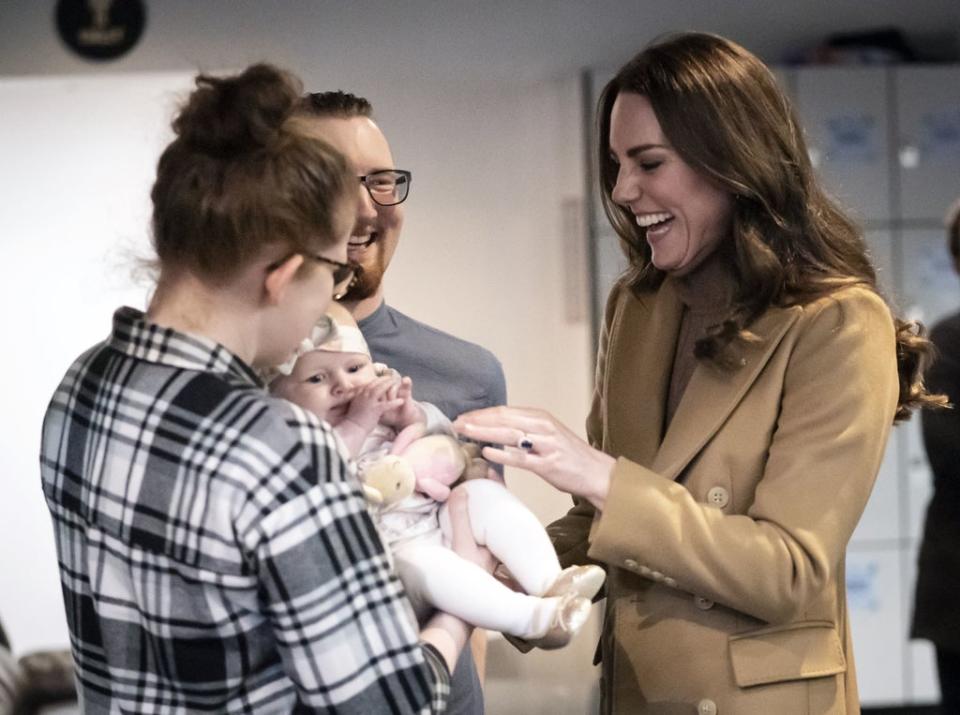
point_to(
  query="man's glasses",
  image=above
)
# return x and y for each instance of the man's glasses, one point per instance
(388, 187)
(345, 275)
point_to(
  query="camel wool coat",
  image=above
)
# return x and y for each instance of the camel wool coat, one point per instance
(724, 538)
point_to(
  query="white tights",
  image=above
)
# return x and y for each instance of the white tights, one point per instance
(435, 575)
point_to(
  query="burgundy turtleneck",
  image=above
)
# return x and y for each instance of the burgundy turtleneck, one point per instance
(706, 293)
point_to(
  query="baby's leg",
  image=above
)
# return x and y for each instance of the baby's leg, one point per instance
(433, 573)
(503, 524)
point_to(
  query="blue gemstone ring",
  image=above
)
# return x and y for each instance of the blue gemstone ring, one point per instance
(525, 443)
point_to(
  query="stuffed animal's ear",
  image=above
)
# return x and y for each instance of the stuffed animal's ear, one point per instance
(372, 495)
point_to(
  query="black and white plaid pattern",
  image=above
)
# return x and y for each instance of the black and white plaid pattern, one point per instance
(215, 550)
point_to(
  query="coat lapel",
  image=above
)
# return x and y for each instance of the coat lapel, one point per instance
(712, 395)
(638, 372)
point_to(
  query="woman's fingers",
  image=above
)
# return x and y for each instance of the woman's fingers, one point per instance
(510, 457)
(533, 440)
(509, 427)
(494, 435)
(519, 418)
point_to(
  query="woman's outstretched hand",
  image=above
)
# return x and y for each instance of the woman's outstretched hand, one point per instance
(536, 441)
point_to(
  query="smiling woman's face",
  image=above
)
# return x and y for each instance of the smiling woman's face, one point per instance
(684, 214)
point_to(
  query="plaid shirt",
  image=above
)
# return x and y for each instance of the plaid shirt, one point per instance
(215, 549)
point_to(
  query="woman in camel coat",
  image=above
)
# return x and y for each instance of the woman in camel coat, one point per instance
(747, 379)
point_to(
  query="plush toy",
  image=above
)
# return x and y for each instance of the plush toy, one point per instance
(430, 464)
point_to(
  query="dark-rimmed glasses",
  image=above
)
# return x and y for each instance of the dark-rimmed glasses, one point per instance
(345, 275)
(388, 187)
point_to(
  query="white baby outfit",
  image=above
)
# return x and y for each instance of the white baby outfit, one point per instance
(417, 532)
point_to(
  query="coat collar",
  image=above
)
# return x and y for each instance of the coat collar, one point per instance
(638, 378)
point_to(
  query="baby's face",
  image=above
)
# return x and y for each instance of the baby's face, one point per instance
(325, 382)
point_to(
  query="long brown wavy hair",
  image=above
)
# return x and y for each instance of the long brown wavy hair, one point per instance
(722, 111)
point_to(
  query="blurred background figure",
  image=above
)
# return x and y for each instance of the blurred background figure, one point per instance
(936, 617)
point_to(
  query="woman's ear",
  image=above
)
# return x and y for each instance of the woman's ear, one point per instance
(279, 278)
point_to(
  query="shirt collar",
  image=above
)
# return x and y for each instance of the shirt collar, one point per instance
(376, 320)
(135, 336)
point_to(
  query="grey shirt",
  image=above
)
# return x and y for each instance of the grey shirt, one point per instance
(456, 376)
(453, 374)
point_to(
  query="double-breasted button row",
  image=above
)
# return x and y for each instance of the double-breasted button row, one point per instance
(643, 570)
(704, 604)
(707, 707)
(718, 497)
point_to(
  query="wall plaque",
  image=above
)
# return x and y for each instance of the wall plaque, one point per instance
(100, 29)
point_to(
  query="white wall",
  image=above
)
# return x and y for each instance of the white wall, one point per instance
(78, 155)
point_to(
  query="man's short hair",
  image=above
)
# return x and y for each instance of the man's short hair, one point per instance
(338, 104)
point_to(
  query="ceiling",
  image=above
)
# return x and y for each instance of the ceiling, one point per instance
(496, 40)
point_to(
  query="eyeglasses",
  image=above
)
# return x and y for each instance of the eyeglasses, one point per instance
(345, 275)
(388, 187)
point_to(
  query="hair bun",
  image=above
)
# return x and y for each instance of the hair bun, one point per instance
(238, 114)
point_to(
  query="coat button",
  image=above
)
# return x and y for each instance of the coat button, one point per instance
(718, 496)
(630, 564)
(704, 604)
(706, 707)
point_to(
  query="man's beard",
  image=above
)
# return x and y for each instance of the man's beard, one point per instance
(369, 280)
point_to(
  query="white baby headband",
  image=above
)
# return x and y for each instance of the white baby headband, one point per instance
(330, 336)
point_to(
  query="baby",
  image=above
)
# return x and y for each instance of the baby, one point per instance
(368, 405)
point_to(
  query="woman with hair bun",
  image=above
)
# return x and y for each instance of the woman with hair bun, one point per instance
(215, 549)
(747, 379)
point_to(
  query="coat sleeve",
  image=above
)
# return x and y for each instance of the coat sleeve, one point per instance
(837, 401)
(570, 533)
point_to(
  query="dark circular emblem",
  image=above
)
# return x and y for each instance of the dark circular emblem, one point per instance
(100, 29)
